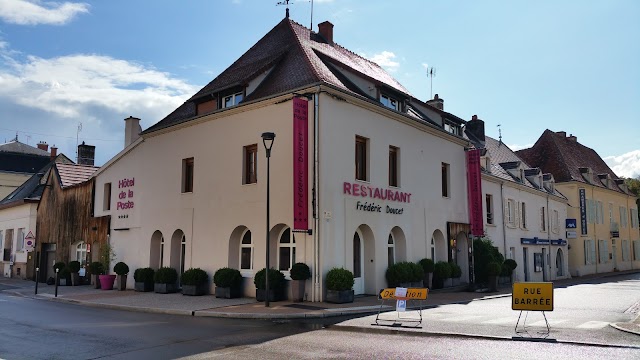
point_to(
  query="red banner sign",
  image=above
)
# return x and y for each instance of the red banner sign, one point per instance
(300, 164)
(474, 191)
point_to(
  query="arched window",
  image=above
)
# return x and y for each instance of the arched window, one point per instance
(391, 251)
(246, 252)
(433, 250)
(286, 250)
(81, 253)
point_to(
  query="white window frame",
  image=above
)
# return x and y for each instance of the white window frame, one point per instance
(292, 250)
(234, 99)
(81, 253)
(251, 252)
(389, 102)
(490, 218)
(523, 215)
(391, 245)
(510, 211)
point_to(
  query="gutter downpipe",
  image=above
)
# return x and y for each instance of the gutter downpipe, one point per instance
(317, 293)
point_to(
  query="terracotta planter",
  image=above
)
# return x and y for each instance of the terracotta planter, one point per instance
(143, 286)
(339, 297)
(121, 283)
(228, 292)
(106, 281)
(297, 290)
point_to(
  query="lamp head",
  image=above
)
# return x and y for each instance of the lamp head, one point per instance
(267, 140)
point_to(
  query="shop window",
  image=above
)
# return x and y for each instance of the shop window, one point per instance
(187, 175)
(361, 158)
(246, 252)
(250, 164)
(106, 198)
(489, 204)
(391, 251)
(445, 179)
(393, 166)
(286, 250)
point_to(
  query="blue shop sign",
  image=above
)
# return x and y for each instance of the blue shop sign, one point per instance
(559, 242)
(571, 223)
(534, 241)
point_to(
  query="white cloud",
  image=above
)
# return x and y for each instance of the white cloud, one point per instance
(385, 59)
(36, 12)
(516, 147)
(625, 165)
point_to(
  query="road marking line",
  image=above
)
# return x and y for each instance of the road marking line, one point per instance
(551, 322)
(461, 318)
(593, 325)
(504, 320)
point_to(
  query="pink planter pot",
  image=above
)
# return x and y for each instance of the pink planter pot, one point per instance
(106, 281)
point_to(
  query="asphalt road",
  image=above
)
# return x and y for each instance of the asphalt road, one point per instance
(39, 329)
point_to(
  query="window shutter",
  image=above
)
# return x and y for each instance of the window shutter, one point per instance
(506, 211)
(593, 251)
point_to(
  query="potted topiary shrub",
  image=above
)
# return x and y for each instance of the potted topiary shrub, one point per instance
(96, 268)
(143, 279)
(74, 268)
(442, 274)
(427, 267)
(228, 283)
(300, 273)
(165, 279)
(493, 271)
(276, 285)
(507, 267)
(416, 275)
(398, 275)
(122, 270)
(58, 269)
(339, 286)
(194, 282)
(456, 273)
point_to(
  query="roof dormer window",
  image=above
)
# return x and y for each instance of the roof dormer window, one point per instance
(232, 100)
(390, 102)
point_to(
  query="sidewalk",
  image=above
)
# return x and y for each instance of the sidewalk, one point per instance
(209, 305)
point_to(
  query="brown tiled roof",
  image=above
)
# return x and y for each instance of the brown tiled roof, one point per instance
(74, 174)
(563, 157)
(297, 57)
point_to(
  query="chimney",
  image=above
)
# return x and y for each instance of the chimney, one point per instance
(326, 31)
(436, 102)
(86, 154)
(475, 127)
(132, 130)
(563, 133)
(54, 152)
(42, 145)
(573, 138)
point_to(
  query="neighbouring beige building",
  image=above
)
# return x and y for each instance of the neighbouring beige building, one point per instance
(362, 174)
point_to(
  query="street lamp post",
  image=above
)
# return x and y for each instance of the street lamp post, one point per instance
(267, 140)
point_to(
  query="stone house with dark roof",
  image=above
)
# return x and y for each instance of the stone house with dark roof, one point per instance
(18, 161)
(524, 212)
(362, 173)
(602, 214)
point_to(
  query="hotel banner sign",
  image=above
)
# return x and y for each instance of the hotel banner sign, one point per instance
(300, 164)
(583, 211)
(474, 192)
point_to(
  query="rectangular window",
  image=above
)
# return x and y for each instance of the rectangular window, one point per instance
(20, 239)
(523, 216)
(187, 175)
(510, 212)
(543, 219)
(106, 200)
(610, 213)
(599, 213)
(634, 218)
(589, 252)
(636, 250)
(232, 100)
(489, 204)
(555, 220)
(361, 158)
(389, 102)
(603, 251)
(445, 180)
(623, 217)
(393, 166)
(625, 250)
(250, 170)
(8, 245)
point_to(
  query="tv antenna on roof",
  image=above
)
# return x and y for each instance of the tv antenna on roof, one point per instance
(431, 73)
(77, 136)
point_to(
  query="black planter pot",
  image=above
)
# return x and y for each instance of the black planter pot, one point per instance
(297, 290)
(194, 290)
(165, 288)
(75, 279)
(339, 297)
(228, 292)
(121, 282)
(274, 295)
(143, 286)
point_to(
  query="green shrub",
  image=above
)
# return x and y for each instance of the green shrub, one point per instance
(442, 270)
(228, 278)
(494, 268)
(144, 275)
(339, 279)
(484, 252)
(300, 271)
(456, 271)
(74, 266)
(96, 268)
(427, 265)
(121, 268)
(417, 273)
(64, 273)
(397, 274)
(194, 276)
(166, 275)
(59, 266)
(512, 264)
(276, 279)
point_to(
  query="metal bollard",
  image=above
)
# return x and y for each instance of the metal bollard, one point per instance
(37, 278)
(57, 281)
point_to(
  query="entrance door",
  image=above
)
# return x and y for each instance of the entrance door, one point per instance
(559, 263)
(525, 262)
(358, 265)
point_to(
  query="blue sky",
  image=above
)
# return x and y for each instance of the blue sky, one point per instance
(525, 65)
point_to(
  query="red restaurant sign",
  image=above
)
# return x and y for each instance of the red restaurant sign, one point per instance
(300, 164)
(474, 191)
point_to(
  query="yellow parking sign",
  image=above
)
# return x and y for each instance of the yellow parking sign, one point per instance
(532, 296)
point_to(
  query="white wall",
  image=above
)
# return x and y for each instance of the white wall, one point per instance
(21, 216)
